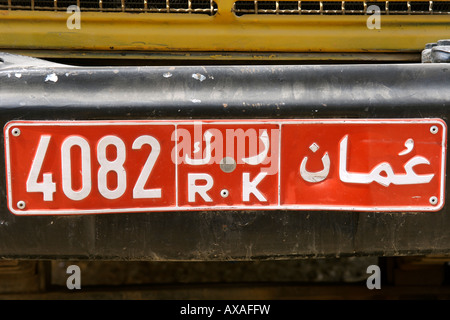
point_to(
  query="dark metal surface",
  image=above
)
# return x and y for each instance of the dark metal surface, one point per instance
(318, 91)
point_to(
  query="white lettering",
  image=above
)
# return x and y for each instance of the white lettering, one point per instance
(382, 173)
(66, 168)
(250, 187)
(107, 166)
(138, 191)
(193, 188)
(47, 186)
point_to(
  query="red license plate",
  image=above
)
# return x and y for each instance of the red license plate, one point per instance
(85, 167)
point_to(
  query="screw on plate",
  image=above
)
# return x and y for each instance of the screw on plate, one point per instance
(227, 164)
(434, 129)
(434, 201)
(15, 132)
(21, 205)
(224, 193)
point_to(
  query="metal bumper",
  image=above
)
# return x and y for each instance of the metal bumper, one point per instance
(238, 92)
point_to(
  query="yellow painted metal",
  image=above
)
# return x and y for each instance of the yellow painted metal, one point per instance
(223, 32)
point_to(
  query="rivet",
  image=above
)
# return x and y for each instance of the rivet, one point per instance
(224, 193)
(434, 201)
(15, 132)
(434, 129)
(21, 205)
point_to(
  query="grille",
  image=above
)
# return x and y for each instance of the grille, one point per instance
(340, 7)
(208, 7)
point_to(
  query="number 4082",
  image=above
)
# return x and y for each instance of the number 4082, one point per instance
(48, 186)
